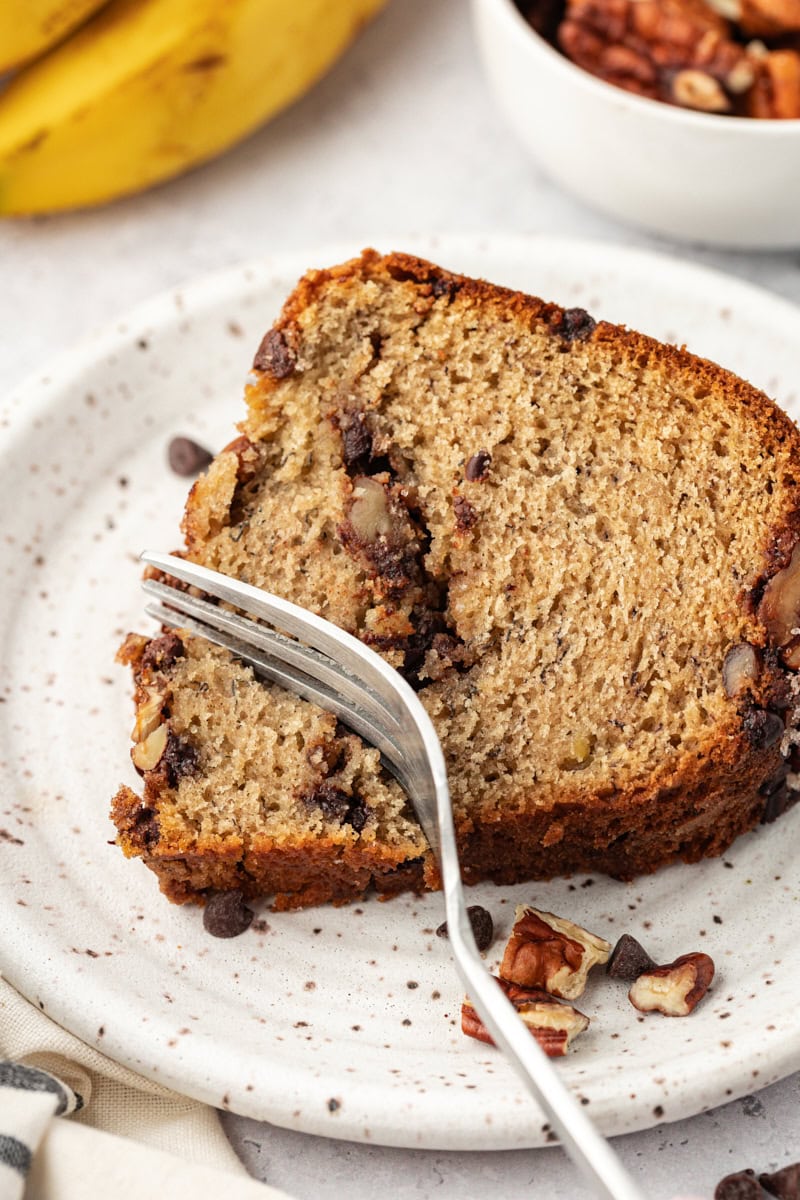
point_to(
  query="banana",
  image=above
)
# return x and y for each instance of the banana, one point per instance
(29, 27)
(149, 88)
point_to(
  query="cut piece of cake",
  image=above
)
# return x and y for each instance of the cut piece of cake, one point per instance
(576, 543)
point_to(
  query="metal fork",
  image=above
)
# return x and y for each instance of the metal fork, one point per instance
(329, 667)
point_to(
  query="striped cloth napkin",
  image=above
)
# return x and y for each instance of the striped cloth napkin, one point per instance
(122, 1136)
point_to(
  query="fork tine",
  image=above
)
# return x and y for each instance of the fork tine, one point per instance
(315, 631)
(317, 666)
(289, 677)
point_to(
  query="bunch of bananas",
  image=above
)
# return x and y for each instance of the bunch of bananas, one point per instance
(114, 95)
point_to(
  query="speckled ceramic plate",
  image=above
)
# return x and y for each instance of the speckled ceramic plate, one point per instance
(335, 1021)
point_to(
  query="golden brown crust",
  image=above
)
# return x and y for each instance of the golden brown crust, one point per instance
(296, 874)
(694, 805)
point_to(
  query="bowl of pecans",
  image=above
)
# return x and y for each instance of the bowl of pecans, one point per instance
(680, 116)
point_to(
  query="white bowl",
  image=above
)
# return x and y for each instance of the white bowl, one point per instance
(730, 181)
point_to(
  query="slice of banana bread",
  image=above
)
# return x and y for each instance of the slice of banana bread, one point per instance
(576, 543)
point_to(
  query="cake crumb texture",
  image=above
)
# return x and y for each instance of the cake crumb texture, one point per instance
(556, 530)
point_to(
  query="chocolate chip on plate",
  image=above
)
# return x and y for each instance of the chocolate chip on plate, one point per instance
(226, 914)
(482, 926)
(186, 457)
(629, 959)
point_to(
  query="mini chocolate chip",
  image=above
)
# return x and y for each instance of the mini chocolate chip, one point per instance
(629, 959)
(180, 759)
(576, 325)
(226, 914)
(742, 1185)
(778, 801)
(162, 652)
(444, 287)
(785, 1184)
(465, 514)
(358, 816)
(274, 355)
(356, 443)
(482, 926)
(332, 802)
(763, 728)
(334, 1105)
(146, 827)
(477, 467)
(336, 805)
(186, 457)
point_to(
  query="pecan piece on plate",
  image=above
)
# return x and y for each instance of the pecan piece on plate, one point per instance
(784, 1184)
(679, 51)
(675, 989)
(554, 1025)
(741, 1185)
(548, 952)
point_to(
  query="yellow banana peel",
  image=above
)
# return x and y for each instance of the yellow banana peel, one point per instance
(29, 27)
(149, 88)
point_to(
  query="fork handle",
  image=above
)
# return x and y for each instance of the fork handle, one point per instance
(589, 1151)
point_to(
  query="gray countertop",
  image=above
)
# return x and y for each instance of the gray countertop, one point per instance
(401, 136)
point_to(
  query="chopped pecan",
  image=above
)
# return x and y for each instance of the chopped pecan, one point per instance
(147, 754)
(679, 51)
(549, 952)
(779, 608)
(741, 668)
(776, 95)
(554, 1025)
(379, 527)
(675, 989)
(148, 717)
(696, 89)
